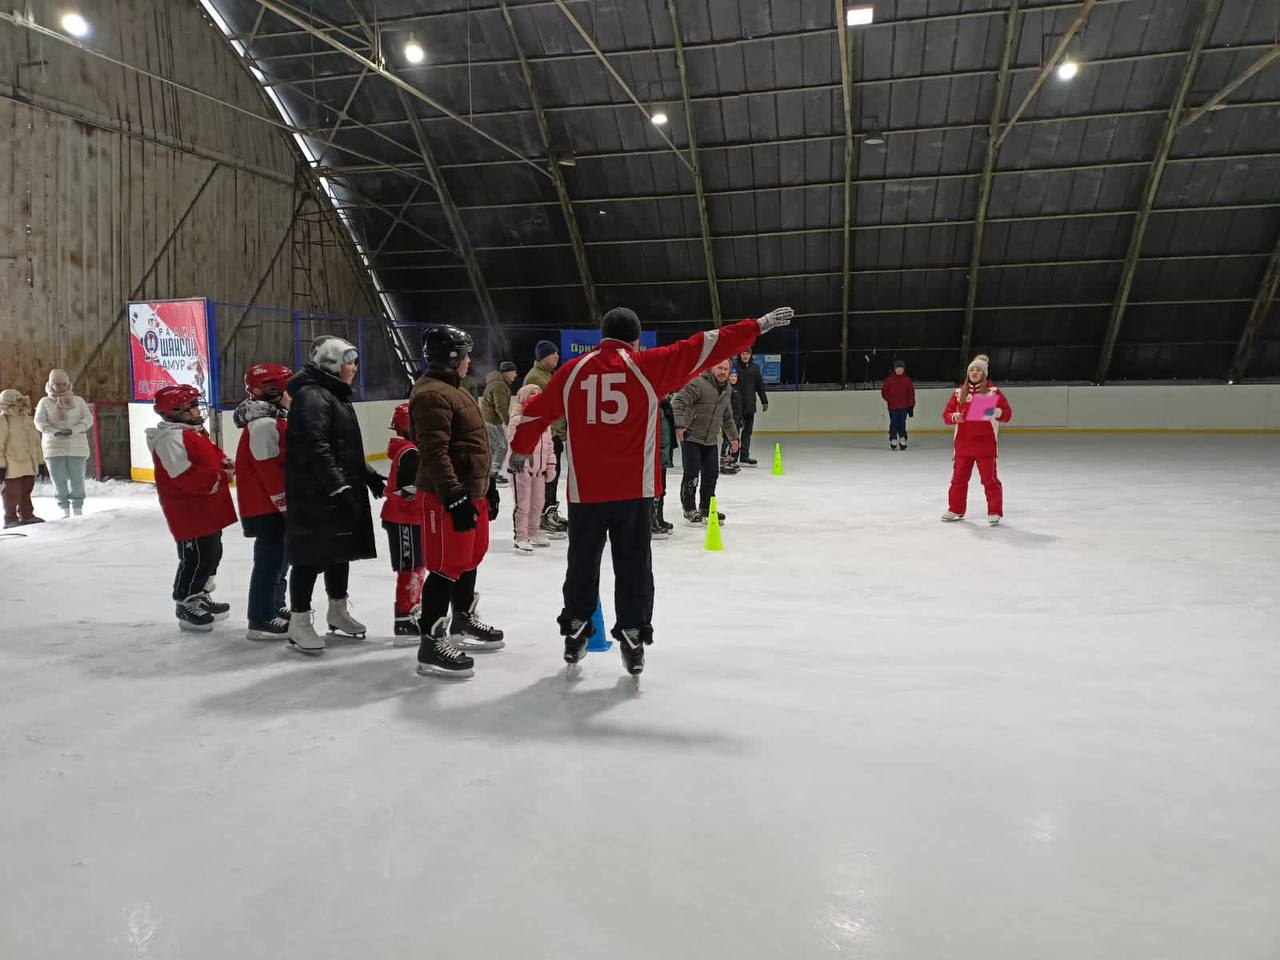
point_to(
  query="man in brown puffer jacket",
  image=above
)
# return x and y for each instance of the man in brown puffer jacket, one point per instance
(455, 487)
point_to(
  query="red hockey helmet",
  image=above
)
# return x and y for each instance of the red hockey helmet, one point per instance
(266, 381)
(175, 399)
(400, 420)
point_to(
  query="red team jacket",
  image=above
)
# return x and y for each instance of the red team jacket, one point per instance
(260, 467)
(977, 438)
(611, 398)
(191, 480)
(899, 392)
(395, 508)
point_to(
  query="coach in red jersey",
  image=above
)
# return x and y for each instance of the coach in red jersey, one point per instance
(611, 399)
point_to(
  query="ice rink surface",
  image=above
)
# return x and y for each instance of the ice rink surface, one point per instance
(861, 732)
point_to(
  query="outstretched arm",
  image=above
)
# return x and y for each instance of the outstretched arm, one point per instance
(539, 413)
(671, 367)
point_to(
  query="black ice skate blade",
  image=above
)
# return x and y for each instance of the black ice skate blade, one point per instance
(471, 645)
(306, 653)
(340, 636)
(262, 636)
(431, 670)
(195, 627)
(219, 617)
(406, 641)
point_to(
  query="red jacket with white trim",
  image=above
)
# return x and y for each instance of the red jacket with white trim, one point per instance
(260, 464)
(977, 438)
(395, 508)
(191, 480)
(611, 399)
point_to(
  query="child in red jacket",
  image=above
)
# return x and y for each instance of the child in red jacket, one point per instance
(976, 409)
(402, 519)
(193, 480)
(900, 397)
(261, 417)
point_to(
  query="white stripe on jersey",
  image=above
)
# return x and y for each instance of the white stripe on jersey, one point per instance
(709, 340)
(571, 474)
(650, 486)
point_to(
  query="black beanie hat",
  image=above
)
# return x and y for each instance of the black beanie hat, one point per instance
(544, 349)
(506, 366)
(620, 324)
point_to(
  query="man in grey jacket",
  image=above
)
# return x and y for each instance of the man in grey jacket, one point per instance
(702, 410)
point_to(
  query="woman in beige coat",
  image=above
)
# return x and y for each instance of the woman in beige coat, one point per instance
(64, 421)
(20, 458)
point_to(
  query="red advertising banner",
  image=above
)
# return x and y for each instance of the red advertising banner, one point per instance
(168, 344)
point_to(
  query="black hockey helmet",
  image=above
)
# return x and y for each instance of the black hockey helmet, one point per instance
(444, 346)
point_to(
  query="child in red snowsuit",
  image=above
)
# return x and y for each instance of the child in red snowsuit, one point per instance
(975, 439)
(193, 480)
(402, 519)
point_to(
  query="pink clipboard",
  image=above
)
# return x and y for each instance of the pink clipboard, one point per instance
(980, 408)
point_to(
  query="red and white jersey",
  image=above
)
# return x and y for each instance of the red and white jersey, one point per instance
(611, 400)
(260, 468)
(191, 480)
(395, 508)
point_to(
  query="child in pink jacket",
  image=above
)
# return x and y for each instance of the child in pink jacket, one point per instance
(529, 475)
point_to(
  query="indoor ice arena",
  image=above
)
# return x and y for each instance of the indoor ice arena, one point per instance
(640, 479)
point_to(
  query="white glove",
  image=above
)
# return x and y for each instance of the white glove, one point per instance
(780, 317)
(408, 491)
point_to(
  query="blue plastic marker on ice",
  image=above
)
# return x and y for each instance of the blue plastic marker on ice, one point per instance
(599, 642)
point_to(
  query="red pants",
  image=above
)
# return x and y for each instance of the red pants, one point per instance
(959, 493)
(446, 551)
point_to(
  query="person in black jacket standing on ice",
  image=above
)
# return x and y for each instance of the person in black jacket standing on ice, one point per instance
(750, 385)
(327, 487)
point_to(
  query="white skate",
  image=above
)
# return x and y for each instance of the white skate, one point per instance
(302, 635)
(341, 623)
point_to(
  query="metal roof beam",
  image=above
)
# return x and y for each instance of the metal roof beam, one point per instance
(844, 49)
(622, 84)
(393, 23)
(1267, 291)
(459, 230)
(704, 224)
(406, 88)
(557, 177)
(988, 176)
(1167, 136)
(1248, 74)
(1085, 9)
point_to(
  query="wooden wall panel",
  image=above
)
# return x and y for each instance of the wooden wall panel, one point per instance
(114, 184)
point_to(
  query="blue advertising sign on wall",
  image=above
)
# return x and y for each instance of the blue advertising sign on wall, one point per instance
(575, 343)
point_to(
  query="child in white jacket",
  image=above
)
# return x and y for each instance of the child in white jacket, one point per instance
(64, 421)
(20, 457)
(530, 475)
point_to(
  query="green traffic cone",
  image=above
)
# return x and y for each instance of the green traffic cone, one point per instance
(713, 529)
(777, 459)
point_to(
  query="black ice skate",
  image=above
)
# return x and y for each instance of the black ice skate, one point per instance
(193, 615)
(748, 462)
(469, 632)
(695, 518)
(575, 644)
(729, 467)
(632, 650)
(407, 630)
(277, 628)
(437, 657)
(552, 524)
(219, 611)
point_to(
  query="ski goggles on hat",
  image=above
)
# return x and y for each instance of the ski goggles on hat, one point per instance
(350, 356)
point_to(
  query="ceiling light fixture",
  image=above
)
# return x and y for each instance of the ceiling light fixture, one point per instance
(874, 137)
(859, 16)
(1068, 69)
(659, 118)
(75, 25)
(562, 157)
(413, 51)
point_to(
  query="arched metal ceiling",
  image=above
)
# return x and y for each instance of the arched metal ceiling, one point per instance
(1088, 236)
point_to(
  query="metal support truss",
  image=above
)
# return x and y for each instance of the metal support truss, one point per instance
(1267, 291)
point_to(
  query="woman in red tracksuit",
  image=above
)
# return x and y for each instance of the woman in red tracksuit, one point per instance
(976, 410)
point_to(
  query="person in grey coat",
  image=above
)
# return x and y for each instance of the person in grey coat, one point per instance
(702, 410)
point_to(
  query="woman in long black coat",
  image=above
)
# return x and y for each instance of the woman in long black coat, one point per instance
(327, 483)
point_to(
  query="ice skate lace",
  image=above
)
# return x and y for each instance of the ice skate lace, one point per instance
(278, 623)
(475, 623)
(447, 650)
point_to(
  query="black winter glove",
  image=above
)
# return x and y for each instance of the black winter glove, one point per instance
(462, 509)
(494, 500)
(911, 412)
(765, 405)
(377, 485)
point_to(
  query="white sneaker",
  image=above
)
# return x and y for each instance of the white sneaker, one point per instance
(302, 635)
(950, 517)
(540, 540)
(341, 621)
(994, 519)
(524, 548)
